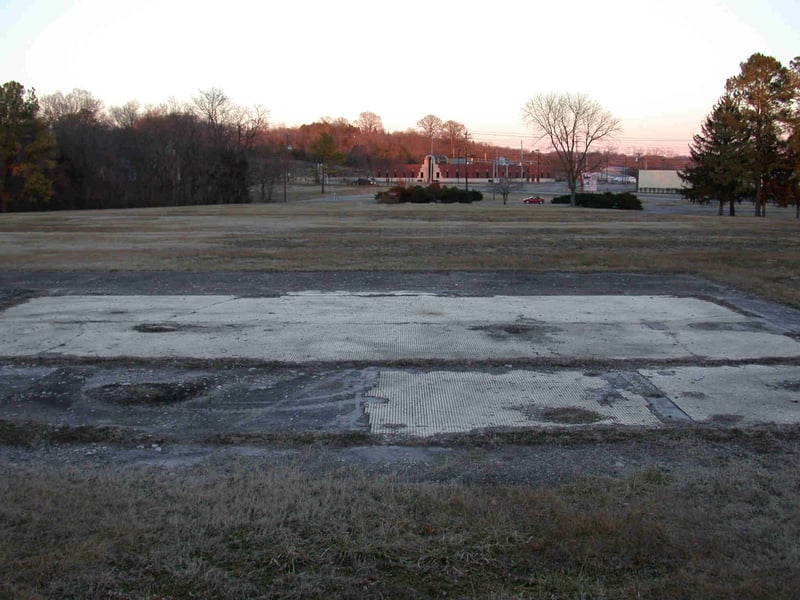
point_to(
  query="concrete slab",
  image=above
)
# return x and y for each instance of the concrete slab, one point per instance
(425, 404)
(344, 326)
(746, 395)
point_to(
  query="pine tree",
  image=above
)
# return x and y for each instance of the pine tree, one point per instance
(763, 94)
(721, 158)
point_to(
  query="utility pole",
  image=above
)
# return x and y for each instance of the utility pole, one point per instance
(494, 178)
(466, 160)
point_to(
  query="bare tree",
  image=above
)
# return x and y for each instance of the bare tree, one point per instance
(250, 124)
(571, 123)
(125, 116)
(453, 131)
(431, 126)
(212, 105)
(56, 106)
(369, 122)
(504, 186)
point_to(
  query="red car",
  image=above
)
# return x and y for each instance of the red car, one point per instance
(533, 200)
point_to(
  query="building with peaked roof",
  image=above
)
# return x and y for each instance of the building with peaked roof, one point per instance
(439, 169)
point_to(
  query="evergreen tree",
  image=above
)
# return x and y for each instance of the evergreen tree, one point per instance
(721, 157)
(25, 148)
(763, 93)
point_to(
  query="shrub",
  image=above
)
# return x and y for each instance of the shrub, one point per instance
(433, 193)
(620, 201)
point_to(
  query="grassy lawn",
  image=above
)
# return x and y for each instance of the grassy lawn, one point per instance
(724, 528)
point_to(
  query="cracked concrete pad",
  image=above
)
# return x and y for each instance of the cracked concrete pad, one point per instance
(342, 326)
(746, 395)
(425, 404)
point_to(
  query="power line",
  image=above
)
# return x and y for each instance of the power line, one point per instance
(498, 137)
(525, 135)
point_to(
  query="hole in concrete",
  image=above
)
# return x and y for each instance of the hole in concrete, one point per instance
(567, 415)
(156, 327)
(522, 330)
(130, 394)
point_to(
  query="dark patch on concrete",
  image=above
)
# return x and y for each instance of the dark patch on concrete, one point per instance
(570, 415)
(608, 397)
(751, 326)
(635, 383)
(790, 385)
(724, 419)
(567, 415)
(694, 395)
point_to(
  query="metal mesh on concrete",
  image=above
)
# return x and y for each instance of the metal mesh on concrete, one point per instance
(424, 404)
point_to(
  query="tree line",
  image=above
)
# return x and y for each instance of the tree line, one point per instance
(66, 151)
(749, 145)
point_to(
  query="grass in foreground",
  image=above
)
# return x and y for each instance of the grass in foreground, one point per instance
(730, 532)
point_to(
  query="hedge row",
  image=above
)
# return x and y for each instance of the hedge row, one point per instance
(432, 193)
(621, 201)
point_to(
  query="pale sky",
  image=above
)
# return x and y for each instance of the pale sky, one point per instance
(658, 66)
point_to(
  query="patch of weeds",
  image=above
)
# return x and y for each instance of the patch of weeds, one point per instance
(31, 434)
(343, 439)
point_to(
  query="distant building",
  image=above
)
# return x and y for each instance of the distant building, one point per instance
(659, 182)
(438, 168)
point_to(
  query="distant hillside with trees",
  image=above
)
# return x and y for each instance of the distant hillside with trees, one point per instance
(69, 151)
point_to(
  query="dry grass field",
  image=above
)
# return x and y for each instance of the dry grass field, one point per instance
(725, 526)
(753, 255)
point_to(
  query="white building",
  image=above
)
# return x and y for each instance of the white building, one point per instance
(659, 182)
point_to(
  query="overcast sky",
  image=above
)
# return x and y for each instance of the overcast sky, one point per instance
(658, 66)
